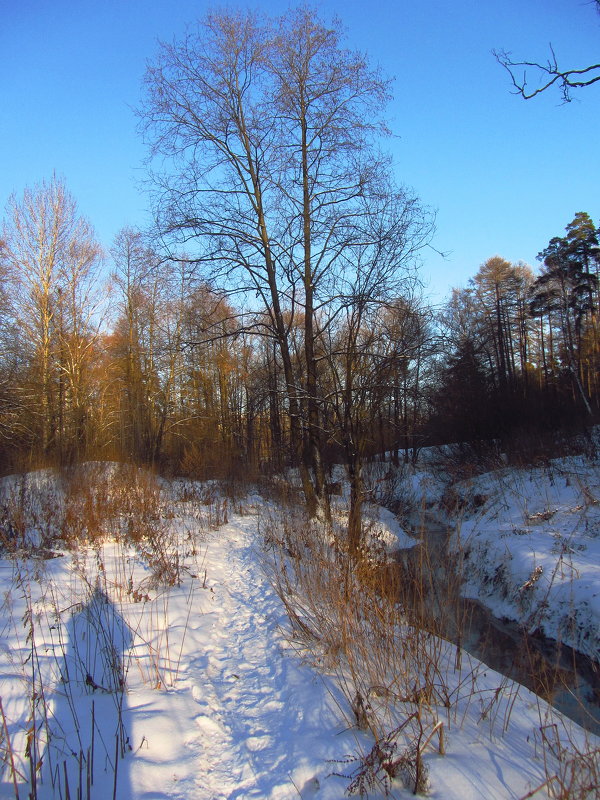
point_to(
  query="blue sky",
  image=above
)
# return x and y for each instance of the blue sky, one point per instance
(505, 175)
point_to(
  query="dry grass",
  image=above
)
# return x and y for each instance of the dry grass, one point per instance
(379, 629)
(355, 618)
(76, 642)
(572, 773)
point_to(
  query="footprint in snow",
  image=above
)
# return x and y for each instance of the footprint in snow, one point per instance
(310, 788)
(257, 743)
(209, 725)
(198, 695)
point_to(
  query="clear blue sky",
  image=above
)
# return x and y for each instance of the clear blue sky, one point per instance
(505, 175)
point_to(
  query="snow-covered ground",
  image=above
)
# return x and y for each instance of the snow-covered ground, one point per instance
(198, 685)
(530, 547)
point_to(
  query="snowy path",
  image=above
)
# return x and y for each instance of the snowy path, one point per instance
(243, 687)
(261, 721)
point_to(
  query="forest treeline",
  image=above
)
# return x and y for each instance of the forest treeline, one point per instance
(274, 316)
(158, 366)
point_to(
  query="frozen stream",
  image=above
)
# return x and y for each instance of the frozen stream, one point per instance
(563, 677)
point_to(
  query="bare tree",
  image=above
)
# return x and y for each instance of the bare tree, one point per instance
(137, 281)
(210, 109)
(353, 332)
(271, 130)
(548, 74)
(52, 257)
(329, 102)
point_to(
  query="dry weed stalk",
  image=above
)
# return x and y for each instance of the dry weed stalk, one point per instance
(572, 772)
(354, 616)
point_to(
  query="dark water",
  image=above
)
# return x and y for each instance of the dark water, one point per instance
(566, 679)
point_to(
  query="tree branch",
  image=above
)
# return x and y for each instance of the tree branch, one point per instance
(549, 74)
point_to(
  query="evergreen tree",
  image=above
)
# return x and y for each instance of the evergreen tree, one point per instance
(565, 293)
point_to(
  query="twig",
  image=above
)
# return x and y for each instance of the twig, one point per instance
(13, 770)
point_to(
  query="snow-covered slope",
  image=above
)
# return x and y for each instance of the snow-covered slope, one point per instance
(530, 546)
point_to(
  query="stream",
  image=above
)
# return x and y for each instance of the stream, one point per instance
(566, 679)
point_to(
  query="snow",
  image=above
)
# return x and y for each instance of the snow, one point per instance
(525, 541)
(202, 686)
(531, 548)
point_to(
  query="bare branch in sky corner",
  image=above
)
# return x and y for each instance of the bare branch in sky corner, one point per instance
(549, 74)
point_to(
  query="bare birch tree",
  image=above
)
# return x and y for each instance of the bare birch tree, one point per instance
(51, 256)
